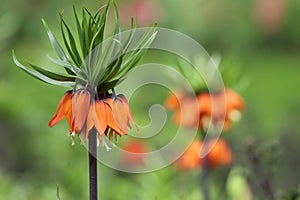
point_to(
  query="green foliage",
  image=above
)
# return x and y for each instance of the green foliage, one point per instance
(89, 58)
(211, 68)
(272, 110)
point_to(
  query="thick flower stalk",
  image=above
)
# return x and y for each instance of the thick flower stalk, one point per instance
(94, 67)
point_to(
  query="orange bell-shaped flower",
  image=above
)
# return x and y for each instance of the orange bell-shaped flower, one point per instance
(80, 105)
(64, 110)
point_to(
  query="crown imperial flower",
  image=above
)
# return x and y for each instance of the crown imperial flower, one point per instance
(94, 67)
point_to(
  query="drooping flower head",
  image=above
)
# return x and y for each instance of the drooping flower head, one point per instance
(217, 105)
(94, 66)
(221, 108)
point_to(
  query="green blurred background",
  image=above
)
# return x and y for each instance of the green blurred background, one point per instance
(261, 38)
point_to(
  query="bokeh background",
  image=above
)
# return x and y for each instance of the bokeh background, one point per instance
(258, 38)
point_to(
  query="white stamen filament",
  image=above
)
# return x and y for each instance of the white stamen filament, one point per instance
(73, 138)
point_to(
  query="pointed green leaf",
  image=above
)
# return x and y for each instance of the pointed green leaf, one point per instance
(54, 76)
(117, 23)
(71, 44)
(80, 32)
(128, 41)
(65, 64)
(41, 76)
(107, 86)
(85, 34)
(136, 55)
(97, 35)
(57, 48)
(110, 56)
(111, 70)
(102, 22)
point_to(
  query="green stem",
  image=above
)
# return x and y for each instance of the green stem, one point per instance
(204, 179)
(93, 165)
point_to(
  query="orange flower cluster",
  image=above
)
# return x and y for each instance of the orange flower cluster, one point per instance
(109, 115)
(219, 108)
(219, 154)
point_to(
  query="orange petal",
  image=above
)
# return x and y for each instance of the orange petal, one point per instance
(111, 120)
(100, 116)
(188, 114)
(204, 103)
(233, 100)
(129, 115)
(171, 102)
(89, 121)
(62, 109)
(81, 104)
(69, 117)
(120, 113)
(218, 106)
(220, 153)
(190, 158)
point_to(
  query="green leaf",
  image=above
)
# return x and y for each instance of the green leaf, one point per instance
(80, 32)
(65, 64)
(130, 63)
(104, 87)
(41, 76)
(102, 21)
(57, 48)
(135, 56)
(52, 75)
(111, 59)
(85, 34)
(111, 70)
(96, 37)
(71, 45)
(117, 25)
(128, 41)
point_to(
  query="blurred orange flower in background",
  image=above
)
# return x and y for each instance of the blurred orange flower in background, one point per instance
(190, 158)
(219, 154)
(134, 152)
(224, 106)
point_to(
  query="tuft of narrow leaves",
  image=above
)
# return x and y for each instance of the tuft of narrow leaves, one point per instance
(88, 57)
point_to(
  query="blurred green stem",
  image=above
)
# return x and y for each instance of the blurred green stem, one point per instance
(93, 165)
(204, 184)
(262, 178)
